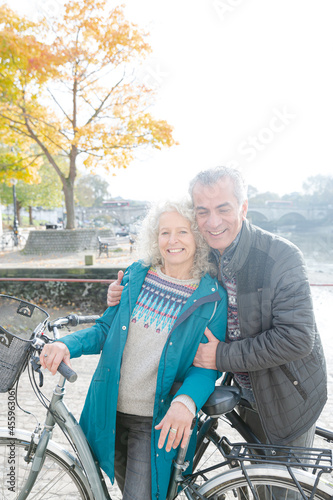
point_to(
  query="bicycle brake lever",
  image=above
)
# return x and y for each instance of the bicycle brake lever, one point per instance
(35, 363)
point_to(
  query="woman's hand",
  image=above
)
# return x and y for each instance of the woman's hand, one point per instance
(52, 355)
(177, 422)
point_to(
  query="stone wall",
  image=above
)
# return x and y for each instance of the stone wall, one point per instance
(64, 240)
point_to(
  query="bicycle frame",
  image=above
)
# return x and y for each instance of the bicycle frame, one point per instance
(59, 414)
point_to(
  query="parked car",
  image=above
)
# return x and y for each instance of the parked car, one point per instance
(53, 226)
(121, 231)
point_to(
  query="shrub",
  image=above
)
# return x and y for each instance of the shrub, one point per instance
(88, 297)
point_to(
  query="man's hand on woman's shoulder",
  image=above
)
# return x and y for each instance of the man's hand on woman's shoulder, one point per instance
(115, 290)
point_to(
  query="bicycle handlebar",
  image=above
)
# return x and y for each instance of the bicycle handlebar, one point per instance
(67, 372)
(71, 320)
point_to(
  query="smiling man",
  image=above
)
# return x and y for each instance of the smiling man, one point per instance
(272, 348)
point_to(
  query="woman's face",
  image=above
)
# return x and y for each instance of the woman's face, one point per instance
(176, 242)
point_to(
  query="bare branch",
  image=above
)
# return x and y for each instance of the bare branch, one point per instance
(59, 105)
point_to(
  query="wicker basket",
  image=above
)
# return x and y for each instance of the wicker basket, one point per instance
(19, 323)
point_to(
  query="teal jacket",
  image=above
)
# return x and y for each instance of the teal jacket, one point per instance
(207, 306)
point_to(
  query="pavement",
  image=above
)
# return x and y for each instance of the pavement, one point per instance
(17, 259)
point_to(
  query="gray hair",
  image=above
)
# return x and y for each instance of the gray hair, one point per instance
(213, 175)
(147, 241)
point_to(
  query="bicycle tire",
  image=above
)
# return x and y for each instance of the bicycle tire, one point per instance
(59, 479)
(7, 242)
(232, 485)
(21, 241)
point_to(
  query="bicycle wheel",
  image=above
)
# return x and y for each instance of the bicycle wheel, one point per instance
(21, 240)
(59, 478)
(7, 242)
(269, 483)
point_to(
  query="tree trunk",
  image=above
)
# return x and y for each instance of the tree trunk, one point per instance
(68, 189)
(18, 212)
(31, 221)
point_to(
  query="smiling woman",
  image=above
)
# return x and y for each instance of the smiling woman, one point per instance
(148, 342)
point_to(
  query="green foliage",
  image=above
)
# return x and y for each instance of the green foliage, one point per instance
(91, 191)
(318, 190)
(47, 193)
(260, 198)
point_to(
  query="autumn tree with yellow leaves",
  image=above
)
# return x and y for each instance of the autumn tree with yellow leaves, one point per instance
(67, 86)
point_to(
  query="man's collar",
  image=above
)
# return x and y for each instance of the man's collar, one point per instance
(229, 251)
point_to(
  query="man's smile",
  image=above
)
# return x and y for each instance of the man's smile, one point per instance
(217, 233)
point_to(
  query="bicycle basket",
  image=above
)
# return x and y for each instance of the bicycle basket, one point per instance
(20, 321)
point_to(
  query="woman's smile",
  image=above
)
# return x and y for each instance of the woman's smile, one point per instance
(176, 244)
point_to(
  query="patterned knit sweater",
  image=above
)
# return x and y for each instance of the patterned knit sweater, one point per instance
(157, 308)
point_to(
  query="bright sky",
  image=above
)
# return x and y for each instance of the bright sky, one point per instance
(244, 82)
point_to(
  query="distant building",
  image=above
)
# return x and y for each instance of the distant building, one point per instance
(116, 203)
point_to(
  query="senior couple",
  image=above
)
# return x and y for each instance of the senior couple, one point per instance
(212, 293)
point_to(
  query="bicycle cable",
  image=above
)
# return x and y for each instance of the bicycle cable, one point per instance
(45, 403)
(20, 407)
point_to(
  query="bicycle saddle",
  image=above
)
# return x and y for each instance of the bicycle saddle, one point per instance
(222, 400)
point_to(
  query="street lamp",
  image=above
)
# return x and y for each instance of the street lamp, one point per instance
(15, 223)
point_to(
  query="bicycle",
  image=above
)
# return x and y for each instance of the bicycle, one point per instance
(32, 465)
(12, 239)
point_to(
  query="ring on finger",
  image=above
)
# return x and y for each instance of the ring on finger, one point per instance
(173, 430)
(45, 355)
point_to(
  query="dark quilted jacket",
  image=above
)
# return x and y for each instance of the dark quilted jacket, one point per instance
(280, 347)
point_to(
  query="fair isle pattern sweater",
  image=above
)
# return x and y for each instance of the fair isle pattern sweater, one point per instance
(157, 308)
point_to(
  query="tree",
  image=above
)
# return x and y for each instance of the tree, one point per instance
(91, 190)
(252, 191)
(259, 199)
(65, 86)
(15, 163)
(46, 194)
(319, 189)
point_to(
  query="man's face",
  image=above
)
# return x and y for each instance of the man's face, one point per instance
(218, 213)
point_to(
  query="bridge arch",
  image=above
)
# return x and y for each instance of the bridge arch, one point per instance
(256, 217)
(291, 218)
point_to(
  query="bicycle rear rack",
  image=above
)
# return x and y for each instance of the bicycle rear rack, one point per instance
(317, 460)
(304, 458)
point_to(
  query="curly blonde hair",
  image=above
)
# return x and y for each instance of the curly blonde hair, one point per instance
(147, 241)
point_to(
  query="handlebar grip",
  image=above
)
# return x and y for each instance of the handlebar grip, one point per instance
(67, 372)
(75, 320)
(87, 319)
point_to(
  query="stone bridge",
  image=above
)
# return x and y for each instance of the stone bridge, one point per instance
(126, 215)
(288, 214)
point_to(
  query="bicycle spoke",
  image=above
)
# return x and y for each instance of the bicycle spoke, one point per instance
(56, 480)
